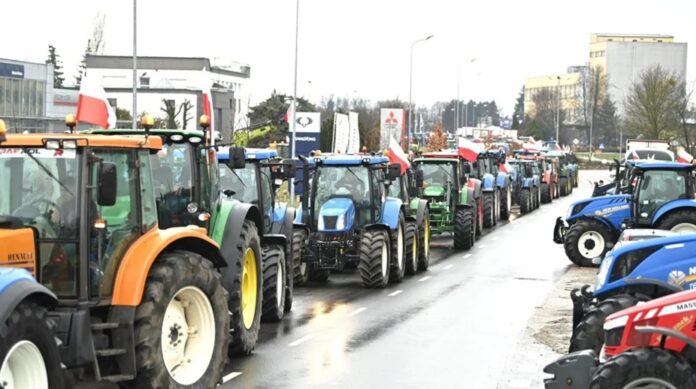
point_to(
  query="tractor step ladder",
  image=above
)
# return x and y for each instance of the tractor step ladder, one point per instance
(113, 356)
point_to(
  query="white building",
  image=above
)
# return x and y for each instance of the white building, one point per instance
(176, 80)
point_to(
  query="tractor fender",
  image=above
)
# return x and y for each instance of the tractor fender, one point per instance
(17, 285)
(420, 212)
(488, 183)
(467, 197)
(502, 180)
(598, 219)
(673, 206)
(527, 183)
(279, 213)
(391, 210)
(475, 185)
(624, 284)
(274, 239)
(282, 224)
(134, 268)
(376, 226)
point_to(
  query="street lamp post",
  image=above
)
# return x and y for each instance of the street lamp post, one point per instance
(294, 99)
(410, 87)
(135, 65)
(558, 110)
(459, 72)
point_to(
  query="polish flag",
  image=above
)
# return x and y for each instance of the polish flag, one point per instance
(557, 147)
(684, 157)
(92, 105)
(397, 155)
(288, 114)
(208, 111)
(469, 150)
(505, 167)
(634, 155)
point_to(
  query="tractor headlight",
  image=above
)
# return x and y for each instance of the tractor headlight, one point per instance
(603, 272)
(341, 222)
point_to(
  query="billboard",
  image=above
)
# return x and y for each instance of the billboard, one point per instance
(341, 133)
(353, 133)
(307, 131)
(11, 70)
(391, 126)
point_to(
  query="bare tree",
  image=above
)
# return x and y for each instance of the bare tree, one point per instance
(185, 109)
(97, 39)
(651, 105)
(683, 109)
(593, 93)
(170, 112)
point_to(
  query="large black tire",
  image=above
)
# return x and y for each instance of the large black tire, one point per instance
(171, 273)
(645, 364)
(478, 207)
(496, 206)
(545, 194)
(274, 272)
(28, 322)
(563, 184)
(293, 261)
(525, 201)
(374, 259)
(589, 334)
(245, 335)
(412, 249)
(680, 221)
(299, 239)
(398, 251)
(556, 191)
(464, 229)
(488, 211)
(424, 242)
(506, 204)
(585, 240)
(537, 197)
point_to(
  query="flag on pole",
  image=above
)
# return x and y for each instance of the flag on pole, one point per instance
(288, 114)
(505, 167)
(469, 150)
(684, 157)
(93, 106)
(557, 146)
(208, 111)
(396, 155)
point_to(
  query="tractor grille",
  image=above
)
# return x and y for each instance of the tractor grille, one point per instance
(330, 222)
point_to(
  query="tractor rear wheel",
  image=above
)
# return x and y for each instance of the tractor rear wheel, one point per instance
(537, 197)
(679, 221)
(374, 259)
(563, 184)
(645, 368)
(246, 292)
(274, 289)
(525, 201)
(478, 207)
(300, 268)
(545, 193)
(488, 211)
(182, 324)
(589, 334)
(506, 205)
(464, 229)
(412, 249)
(586, 240)
(398, 250)
(28, 349)
(424, 242)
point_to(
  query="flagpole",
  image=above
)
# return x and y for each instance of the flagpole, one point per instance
(135, 66)
(294, 99)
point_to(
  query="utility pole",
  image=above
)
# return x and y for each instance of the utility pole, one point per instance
(410, 89)
(134, 116)
(293, 125)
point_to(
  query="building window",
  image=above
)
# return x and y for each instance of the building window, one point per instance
(144, 82)
(112, 103)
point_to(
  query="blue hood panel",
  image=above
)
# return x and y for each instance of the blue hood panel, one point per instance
(613, 209)
(334, 208)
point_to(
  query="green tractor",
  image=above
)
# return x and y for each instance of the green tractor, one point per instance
(454, 199)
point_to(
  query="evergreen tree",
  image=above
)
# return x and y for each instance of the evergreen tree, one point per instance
(54, 59)
(518, 115)
(82, 69)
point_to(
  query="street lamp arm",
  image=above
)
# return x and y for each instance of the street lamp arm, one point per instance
(410, 87)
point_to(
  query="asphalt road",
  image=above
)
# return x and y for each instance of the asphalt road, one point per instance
(459, 324)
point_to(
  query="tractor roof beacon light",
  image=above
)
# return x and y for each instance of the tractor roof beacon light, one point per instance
(3, 131)
(204, 122)
(70, 122)
(147, 122)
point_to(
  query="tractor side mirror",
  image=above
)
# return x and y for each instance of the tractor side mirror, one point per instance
(394, 171)
(237, 158)
(106, 184)
(419, 178)
(289, 168)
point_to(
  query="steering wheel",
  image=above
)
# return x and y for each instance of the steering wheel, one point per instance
(48, 203)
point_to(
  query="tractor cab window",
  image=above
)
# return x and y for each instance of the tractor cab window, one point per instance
(437, 174)
(240, 181)
(266, 197)
(174, 184)
(343, 182)
(397, 188)
(377, 195)
(656, 188)
(109, 244)
(39, 188)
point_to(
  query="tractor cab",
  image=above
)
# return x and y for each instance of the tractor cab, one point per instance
(659, 183)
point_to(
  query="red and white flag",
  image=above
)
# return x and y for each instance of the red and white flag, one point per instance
(397, 155)
(531, 145)
(207, 95)
(288, 115)
(684, 157)
(505, 167)
(634, 155)
(92, 105)
(469, 150)
(557, 146)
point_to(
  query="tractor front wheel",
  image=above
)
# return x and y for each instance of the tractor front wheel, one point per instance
(589, 334)
(525, 202)
(563, 184)
(398, 250)
(412, 249)
(488, 211)
(679, 221)
(464, 229)
(274, 289)
(181, 325)
(374, 259)
(300, 268)
(546, 194)
(506, 205)
(478, 206)
(424, 242)
(28, 349)
(645, 368)
(586, 240)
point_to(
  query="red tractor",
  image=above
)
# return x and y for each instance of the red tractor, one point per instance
(549, 180)
(651, 345)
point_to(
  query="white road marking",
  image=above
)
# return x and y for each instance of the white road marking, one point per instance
(448, 267)
(481, 246)
(301, 340)
(468, 255)
(394, 293)
(231, 376)
(494, 238)
(520, 383)
(357, 311)
(424, 279)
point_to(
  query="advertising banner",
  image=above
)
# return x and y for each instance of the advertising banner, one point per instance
(341, 133)
(354, 133)
(391, 126)
(308, 131)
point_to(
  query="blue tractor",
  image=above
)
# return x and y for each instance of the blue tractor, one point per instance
(495, 185)
(352, 221)
(644, 265)
(526, 177)
(256, 183)
(662, 197)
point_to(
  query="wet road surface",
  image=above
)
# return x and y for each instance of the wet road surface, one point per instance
(459, 324)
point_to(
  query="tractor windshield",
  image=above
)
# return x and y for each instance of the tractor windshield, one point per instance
(437, 174)
(241, 181)
(39, 189)
(174, 184)
(343, 181)
(656, 188)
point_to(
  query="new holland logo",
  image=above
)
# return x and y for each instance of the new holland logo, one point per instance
(676, 277)
(304, 121)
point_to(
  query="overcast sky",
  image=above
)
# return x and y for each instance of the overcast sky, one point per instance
(353, 48)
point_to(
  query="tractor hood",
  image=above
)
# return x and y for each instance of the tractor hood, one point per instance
(605, 207)
(336, 215)
(434, 191)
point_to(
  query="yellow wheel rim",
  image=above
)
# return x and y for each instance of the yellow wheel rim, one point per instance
(414, 251)
(249, 288)
(426, 240)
